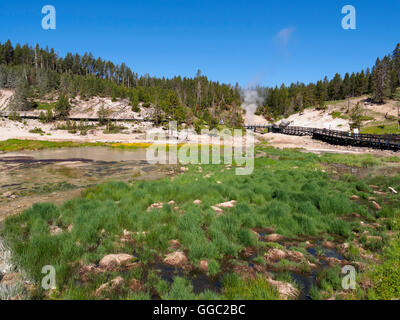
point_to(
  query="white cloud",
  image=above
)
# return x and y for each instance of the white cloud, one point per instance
(283, 37)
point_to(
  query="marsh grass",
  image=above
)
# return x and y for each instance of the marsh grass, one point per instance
(291, 195)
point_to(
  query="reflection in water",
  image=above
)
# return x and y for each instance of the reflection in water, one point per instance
(55, 175)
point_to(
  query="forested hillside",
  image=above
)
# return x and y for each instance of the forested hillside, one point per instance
(380, 83)
(36, 72)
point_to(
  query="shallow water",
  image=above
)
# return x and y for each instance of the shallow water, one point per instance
(88, 153)
(56, 175)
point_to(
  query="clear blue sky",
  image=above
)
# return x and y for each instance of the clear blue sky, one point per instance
(245, 41)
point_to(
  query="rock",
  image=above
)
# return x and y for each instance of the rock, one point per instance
(7, 194)
(295, 255)
(157, 205)
(184, 169)
(375, 238)
(371, 199)
(54, 230)
(376, 205)
(177, 258)
(172, 202)
(274, 237)
(354, 197)
(219, 182)
(345, 246)
(203, 265)
(373, 187)
(256, 234)
(135, 285)
(70, 227)
(332, 261)
(275, 255)
(10, 279)
(197, 202)
(113, 260)
(217, 210)
(285, 290)
(329, 244)
(106, 287)
(229, 204)
(174, 244)
(393, 190)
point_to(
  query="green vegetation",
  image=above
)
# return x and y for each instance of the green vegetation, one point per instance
(338, 114)
(287, 191)
(18, 145)
(382, 129)
(380, 83)
(180, 98)
(37, 130)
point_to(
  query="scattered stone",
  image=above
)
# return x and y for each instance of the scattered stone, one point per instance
(172, 202)
(70, 227)
(217, 210)
(329, 244)
(177, 258)
(54, 230)
(295, 255)
(373, 187)
(256, 234)
(197, 202)
(285, 290)
(184, 169)
(393, 190)
(371, 199)
(157, 205)
(113, 260)
(175, 244)
(219, 182)
(10, 279)
(377, 205)
(345, 246)
(135, 285)
(275, 255)
(354, 197)
(229, 204)
(107, 287)
(203, 265)
(332, 261)
(274, 237)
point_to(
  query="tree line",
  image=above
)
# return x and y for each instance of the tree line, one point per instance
(34, 72)
(380, 83)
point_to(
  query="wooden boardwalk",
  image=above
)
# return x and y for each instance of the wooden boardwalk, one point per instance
(346, 138)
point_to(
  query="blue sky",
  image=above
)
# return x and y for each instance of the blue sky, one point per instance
(245, 41)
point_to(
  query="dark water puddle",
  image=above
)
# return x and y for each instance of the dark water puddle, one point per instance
(305, 282)
(200, 281)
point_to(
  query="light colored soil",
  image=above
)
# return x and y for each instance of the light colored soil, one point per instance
(306, 143)
(323, 119)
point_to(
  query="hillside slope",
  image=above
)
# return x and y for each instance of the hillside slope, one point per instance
(336, 116)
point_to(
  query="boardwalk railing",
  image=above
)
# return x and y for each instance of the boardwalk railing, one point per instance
(388, 141)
